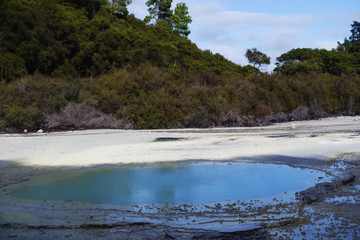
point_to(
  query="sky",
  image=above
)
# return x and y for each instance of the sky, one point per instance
(274, 27)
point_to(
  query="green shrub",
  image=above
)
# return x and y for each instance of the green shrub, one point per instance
(20, 118)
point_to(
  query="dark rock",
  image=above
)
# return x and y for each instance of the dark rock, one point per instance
(347, 178)
(317, 193)
(282, 136)
(166, 139)
(309, 195)
(322, 190)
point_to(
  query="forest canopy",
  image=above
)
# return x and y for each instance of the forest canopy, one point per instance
(89, 64)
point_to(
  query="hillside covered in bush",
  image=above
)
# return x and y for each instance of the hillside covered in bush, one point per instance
(83, 64)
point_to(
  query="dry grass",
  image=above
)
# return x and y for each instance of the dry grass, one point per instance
(84, 115)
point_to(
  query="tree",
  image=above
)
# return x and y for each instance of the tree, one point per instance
(120, 6)
(310, 61)
(355, 31)
(181, 19)
(256, 57)
(355, 38)
(159, 10)
(352, 44)
(161, 13)
(345, 46)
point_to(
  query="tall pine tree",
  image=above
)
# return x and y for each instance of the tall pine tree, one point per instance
(160, 13)
(159, 10)
(181, 19)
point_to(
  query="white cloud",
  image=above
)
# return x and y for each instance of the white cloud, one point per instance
(138, 8)
(198, 8)
(235, 18)
(229, 52)
(328, 45)
(229, 32)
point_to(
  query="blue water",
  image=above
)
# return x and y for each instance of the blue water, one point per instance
(173, 184)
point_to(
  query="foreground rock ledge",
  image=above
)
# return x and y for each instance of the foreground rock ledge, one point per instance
(322, 190)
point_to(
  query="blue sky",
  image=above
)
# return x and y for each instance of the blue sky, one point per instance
(230, 27)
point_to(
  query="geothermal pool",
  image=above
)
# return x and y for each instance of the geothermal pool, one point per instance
(175, 183)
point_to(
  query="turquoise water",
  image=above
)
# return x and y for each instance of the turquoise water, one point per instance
(173, 184)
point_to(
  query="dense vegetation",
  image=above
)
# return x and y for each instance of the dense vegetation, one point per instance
(86, 64)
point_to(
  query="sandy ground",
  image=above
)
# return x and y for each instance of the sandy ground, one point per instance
(310, 139)
(331, 145)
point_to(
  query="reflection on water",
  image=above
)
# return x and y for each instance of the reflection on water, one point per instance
(174, 183)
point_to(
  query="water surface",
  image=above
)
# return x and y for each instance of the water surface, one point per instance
(185, 183)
